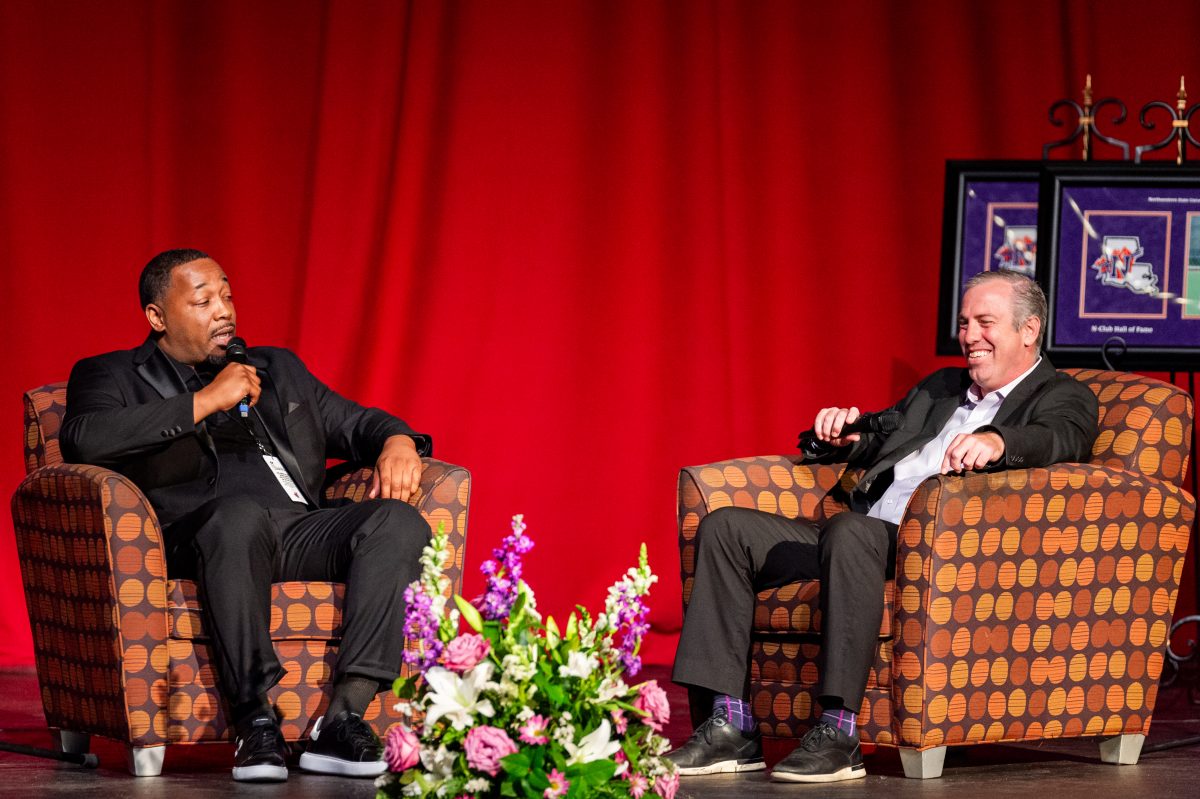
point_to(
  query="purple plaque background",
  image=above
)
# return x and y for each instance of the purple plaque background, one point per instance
(976, 255)
(1110, 305)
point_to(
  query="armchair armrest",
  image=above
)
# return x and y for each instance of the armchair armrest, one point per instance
(773, 483)
(1034, 603)
(442, 498)
(95, 583)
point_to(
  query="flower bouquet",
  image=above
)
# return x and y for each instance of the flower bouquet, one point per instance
(520, 707)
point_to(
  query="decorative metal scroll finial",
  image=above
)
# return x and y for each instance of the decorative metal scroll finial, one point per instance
(1180, 132)
(1086, 127)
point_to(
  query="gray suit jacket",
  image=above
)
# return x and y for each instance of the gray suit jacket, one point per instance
(1050, 417)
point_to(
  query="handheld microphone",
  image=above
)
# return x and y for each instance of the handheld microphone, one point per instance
(883, 422)
(235, 352)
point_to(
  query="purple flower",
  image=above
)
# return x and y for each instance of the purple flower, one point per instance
(631, 624)
(503, 573)
(421, 630)
(486, 746)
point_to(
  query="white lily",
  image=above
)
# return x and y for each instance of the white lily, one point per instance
(596, 745)
(438, 762)
(578, 665)
(457, 698)
(610, 688)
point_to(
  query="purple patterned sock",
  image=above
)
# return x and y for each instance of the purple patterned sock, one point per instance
(736, 710)
(845, 720)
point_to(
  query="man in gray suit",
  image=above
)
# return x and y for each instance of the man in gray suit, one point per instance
(1008, 408)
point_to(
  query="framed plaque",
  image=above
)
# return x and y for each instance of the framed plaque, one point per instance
(989, 222)
(1121, 265)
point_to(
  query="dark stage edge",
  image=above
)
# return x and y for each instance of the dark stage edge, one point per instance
(1058, 770)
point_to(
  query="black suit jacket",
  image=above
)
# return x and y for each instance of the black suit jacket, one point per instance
(1049, 417)
(131, 412)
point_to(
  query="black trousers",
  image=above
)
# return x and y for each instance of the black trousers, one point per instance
(740, 552)
(235, 548)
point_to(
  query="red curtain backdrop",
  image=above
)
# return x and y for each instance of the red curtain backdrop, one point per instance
(581, 243)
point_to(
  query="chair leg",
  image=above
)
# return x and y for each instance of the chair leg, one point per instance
(73, 743)
(145, 761)
(923, 764)
(1122, 750)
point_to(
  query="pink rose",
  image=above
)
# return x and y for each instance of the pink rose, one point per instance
(666, 786)
(401, 748)
(486, 746)
(652, 701)
(465, 651)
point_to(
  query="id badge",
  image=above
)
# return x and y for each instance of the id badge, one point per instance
(285, 480)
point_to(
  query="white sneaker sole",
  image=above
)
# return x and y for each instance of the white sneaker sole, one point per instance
(324, 764)
(848, 773)
(723, 767)
(260, 773)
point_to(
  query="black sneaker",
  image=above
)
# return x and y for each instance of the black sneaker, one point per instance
(717, 747)
(261, 753)
(825, 754)
(344, 745)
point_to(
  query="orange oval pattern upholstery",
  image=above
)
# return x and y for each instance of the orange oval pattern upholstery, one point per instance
(121, 651)
(1028, 604)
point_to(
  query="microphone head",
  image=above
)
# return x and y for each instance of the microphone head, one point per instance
(887, 422)
(235, 351)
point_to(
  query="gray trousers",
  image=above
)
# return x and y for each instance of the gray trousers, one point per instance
(740, 552)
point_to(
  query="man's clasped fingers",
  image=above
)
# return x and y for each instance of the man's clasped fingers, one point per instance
(830, 421)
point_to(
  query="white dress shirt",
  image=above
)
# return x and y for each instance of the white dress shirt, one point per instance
(975, 412)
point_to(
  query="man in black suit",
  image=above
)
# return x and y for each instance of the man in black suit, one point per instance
(232, 458)
(1008, 408)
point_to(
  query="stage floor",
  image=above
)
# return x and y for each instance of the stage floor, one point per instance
(1060, 770)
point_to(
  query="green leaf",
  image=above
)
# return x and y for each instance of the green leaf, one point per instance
(469, 613)
(550, 687)
(594, 773)
(539, 781)
(516, 764)
(630, 747)
(507, 789)
(403, 687)
(519, 606)
(493, 636)
(552, 629)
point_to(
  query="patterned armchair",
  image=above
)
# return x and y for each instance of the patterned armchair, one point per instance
(121, 650)
(1027, 604)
